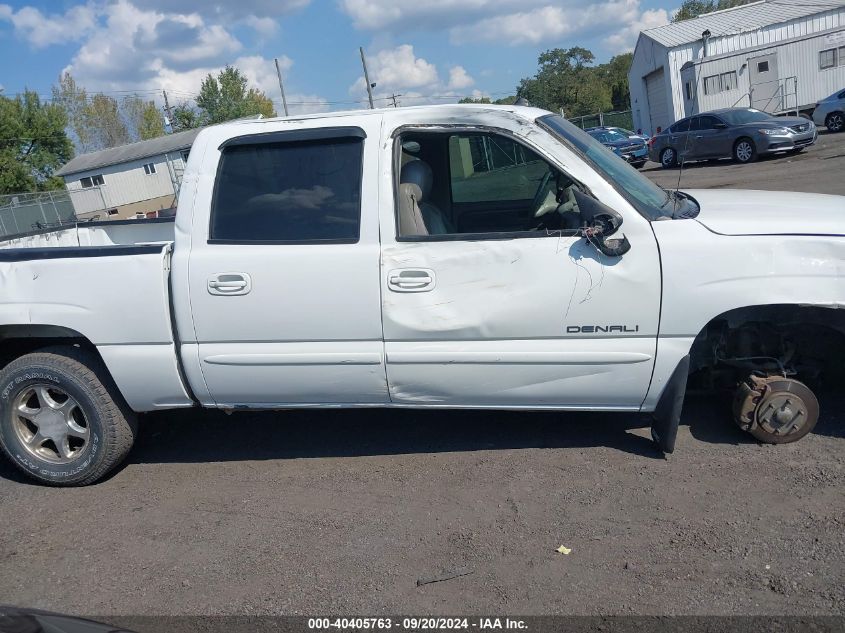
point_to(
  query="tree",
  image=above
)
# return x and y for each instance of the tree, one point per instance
(615, 75)
(566, 79)
(185, 117)
(504, 101)
(143, 118)
(74, 99)
(104, 122)
(693, 8)
(226, 97)
(33, 143)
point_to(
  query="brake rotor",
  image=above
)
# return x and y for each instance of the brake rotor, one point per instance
(774, 409)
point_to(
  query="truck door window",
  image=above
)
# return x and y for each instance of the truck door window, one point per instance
(289, 192)
(479, 185)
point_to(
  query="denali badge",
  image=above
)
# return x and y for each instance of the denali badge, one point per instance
(595, 329)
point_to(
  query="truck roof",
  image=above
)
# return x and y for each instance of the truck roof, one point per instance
(412, 112)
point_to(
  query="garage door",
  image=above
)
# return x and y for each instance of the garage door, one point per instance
(658, 109)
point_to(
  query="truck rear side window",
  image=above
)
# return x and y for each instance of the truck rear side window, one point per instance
(289, 192)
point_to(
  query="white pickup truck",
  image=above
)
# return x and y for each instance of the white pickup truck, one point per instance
(486, 257)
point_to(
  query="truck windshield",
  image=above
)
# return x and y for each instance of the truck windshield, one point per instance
(646, 197)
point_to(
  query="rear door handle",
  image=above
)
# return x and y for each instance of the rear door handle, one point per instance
(229, 284)
(411, 280)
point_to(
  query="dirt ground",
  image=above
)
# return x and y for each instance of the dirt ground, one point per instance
(342, 512)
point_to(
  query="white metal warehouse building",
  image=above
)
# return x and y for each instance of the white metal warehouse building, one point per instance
(130, 180)
(775, 55)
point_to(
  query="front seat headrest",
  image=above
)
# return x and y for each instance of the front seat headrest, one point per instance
(417, 173)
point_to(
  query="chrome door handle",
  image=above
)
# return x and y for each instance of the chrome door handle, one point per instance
(411, 280)
(229, 284)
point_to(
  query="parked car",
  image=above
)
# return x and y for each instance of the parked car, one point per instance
(738, 133)
(831, 112)
(630, 134)
(635, 151)
(431, 257)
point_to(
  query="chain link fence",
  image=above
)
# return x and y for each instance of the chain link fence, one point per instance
(25, 212)
(622, 119)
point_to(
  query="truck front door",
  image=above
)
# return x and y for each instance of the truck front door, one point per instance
(284, 292)
(490, 298)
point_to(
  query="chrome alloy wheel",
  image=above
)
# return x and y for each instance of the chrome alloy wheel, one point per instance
(744, 151)
(50, 424)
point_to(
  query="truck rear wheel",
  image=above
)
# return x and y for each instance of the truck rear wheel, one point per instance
(62, 420)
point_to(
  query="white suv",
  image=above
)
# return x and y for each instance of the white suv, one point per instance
(831, 112)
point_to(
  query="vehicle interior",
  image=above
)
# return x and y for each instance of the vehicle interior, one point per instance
(469, 183)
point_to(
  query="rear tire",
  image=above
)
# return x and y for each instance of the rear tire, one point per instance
(835, 121)
(668, 158)
(62, 420)
(745, 151)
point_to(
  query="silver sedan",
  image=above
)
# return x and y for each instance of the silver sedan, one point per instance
(738, 133)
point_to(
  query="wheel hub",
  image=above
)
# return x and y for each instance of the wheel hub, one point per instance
(50, 424)
(775, 409)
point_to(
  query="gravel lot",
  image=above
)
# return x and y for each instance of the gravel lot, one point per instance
(342, 512)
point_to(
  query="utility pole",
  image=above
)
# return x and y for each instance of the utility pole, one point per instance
(394, 96)
(281, 87)
(367, 77)
(169, 113)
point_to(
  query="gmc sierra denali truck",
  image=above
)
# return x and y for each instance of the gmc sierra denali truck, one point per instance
(486, 257)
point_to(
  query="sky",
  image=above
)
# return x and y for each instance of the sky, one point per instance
(429, 51)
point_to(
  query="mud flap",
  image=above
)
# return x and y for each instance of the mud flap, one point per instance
(667, 413)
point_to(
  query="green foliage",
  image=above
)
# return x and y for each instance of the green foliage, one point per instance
(224, 98)
(143, 118)
(693, 8)
(104, 123)
(567, 79)
(97, 121)
(33, 143)
(504, 101)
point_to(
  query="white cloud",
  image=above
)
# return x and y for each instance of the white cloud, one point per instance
(459, 78)
(380, 14)
(549, 23)
(265, 27)
(397, 69)
(510, 22)
(228, 10)
(414, 79)
(625, 39)
(42, 30)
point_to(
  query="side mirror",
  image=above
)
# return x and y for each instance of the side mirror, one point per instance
(720, 126)
(598, 222)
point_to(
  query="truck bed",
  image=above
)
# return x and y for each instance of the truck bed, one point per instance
(100, 233)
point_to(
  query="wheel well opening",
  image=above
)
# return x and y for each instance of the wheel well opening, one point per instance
(18, 340)
(804, 342)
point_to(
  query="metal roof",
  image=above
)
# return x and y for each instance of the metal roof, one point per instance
(126, 153)
(741, 19)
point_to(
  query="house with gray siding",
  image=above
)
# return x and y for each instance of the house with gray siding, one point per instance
(131, 180)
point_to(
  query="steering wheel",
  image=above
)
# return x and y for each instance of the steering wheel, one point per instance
(539, 195)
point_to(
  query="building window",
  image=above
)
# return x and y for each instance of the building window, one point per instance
(92, 181)
(842, 55)
(149, 168)
(762, 67)
(111, 212)
(688, 86)
(827, 59)
(290, 192)
(715, 84)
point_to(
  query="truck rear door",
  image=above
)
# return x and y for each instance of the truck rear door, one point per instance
(283, 271)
